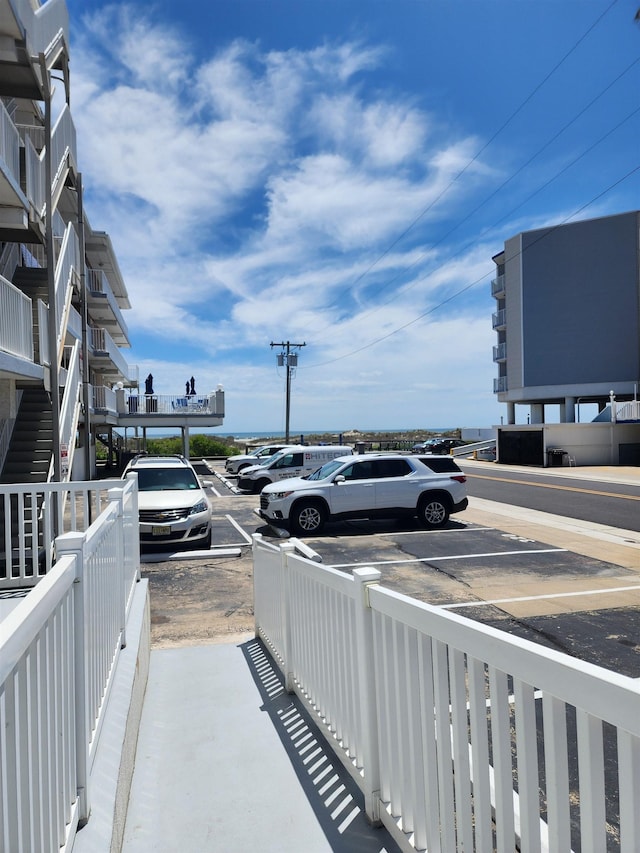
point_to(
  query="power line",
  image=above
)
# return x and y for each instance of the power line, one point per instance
(473, 283)
(482, 149)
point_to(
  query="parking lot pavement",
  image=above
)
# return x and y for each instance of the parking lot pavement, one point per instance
(558, 581)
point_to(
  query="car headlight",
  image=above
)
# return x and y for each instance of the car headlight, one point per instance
(279, 495)
(201, 506)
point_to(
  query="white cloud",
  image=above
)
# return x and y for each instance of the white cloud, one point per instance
(257, 194)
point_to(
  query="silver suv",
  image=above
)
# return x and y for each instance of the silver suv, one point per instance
(386, 485)
(172, 504)
(236, 464)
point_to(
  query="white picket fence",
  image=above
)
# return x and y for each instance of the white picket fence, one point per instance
(32, 515)
(58, 651)
(461, 737)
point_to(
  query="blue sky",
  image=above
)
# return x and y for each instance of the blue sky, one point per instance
(340, 173)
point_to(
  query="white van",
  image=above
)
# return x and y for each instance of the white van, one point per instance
(294, 461)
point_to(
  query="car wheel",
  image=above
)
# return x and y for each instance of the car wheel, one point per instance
(242, 467)
(433, 512)
(259, 486)
(207, 541)
(307, 518)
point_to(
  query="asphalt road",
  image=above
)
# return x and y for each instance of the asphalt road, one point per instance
(614, 504)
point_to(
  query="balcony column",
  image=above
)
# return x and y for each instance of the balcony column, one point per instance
(511, 413)
(568, 411)
(537, 413)
(185, 441)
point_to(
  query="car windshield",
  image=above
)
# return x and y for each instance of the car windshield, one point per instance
(326, 471)
(162, 479)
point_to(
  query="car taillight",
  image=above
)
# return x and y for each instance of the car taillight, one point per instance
(460, 478)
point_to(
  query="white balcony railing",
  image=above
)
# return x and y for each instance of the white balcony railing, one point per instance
(455, 731)
(103, 346)
(98, 283)
(167, 404)
(628, 411)
(499, 384)
(499, 318)
(16, 322)
(9, 145)
(500, 352)
(43, 23)
(29, 515)
(59, 650)
(63, 153)
(497, 285)
(103, 399)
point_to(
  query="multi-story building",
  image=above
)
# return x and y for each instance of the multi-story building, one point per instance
(63, 376)
(568, 333)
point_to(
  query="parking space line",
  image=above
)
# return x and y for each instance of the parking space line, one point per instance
(602, 591)
(466, 529)
(242, 532)
(439, 559)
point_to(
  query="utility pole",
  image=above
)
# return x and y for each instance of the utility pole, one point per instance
(289, 360)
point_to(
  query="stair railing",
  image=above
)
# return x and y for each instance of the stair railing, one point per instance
(66, 272)
(6, 430)
(70, 411)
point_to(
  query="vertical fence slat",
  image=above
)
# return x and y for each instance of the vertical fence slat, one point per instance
(444, 755)
(480, 754)
(460, 735)
(428, 733)
(527, 764)
(556, 768)
(629, 776)
(502, 770)
(591, 783)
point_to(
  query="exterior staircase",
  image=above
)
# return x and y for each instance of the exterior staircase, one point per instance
(29, 455)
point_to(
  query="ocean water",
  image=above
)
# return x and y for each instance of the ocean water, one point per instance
(349, 433)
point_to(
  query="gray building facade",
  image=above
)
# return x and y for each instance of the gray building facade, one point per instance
(567, 316)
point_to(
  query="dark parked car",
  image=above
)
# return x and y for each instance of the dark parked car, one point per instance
(444, 445)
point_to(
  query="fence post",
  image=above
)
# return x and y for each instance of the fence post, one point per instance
(73, 544)
(364, 578)
(287, 549)
(115, 496)
(134, 539)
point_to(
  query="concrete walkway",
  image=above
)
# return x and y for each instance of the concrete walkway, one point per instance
(227, 761)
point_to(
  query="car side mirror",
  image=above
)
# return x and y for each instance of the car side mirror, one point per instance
(339, 478)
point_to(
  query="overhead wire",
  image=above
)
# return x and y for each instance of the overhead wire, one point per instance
(459, 252)
(488, 198)
(482, 149)
(472, 284)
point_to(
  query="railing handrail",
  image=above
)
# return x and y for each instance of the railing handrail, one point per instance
(70, 408)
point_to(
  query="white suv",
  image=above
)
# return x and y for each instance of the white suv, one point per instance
(172, 505)
(386, 485)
